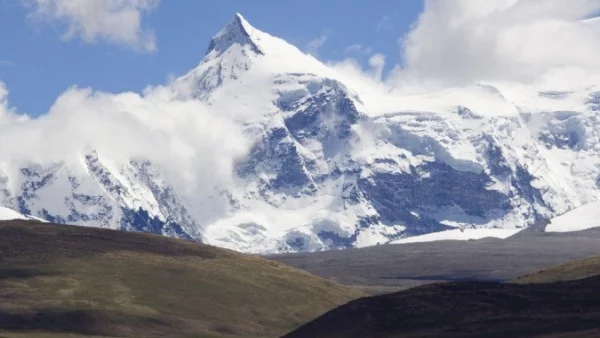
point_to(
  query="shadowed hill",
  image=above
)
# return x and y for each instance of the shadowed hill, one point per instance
(467, 309)
(62, 281)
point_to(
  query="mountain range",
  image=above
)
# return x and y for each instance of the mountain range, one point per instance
(331, 165)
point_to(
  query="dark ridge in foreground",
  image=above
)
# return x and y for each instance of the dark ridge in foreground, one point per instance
(467, 309)
(70, 281)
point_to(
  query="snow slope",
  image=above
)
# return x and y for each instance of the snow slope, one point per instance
(582, 218)
(459, 235)
(325, 163)
(7, 214)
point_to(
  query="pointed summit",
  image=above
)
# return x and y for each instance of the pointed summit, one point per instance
(239, 48)
(238, 31)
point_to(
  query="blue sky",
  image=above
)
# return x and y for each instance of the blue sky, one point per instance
(36, 64)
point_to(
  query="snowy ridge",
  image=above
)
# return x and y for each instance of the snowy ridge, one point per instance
(331, 167)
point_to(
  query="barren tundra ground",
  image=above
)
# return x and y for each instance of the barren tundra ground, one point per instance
(399, 266)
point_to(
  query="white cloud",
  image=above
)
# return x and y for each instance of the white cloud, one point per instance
(367, 82)
(466, 41)
(518, 47)
(182, 137)
(314, 45)
(115, 21)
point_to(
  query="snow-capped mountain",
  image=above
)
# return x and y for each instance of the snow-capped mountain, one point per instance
(331, 167)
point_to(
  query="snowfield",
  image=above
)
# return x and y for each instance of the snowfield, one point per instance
(459, 235)
(582, 218)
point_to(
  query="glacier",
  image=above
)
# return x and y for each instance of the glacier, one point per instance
(331, 167)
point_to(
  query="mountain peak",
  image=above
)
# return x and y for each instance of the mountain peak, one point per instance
(238, 31)
(240, 20)
(236, 49)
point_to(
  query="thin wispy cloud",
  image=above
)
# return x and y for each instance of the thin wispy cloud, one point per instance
(353, 48)
(7, 114)
(384, 23)
(6, 63)
(358, 49)
(314, 45)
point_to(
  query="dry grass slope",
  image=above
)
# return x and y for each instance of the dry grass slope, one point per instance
(67, 281)
(578, 269)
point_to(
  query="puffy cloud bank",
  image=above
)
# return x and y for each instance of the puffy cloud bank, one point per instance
(462, 42)
(115, 21)
(194, 146)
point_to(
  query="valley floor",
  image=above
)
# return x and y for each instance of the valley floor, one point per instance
(400, 266)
